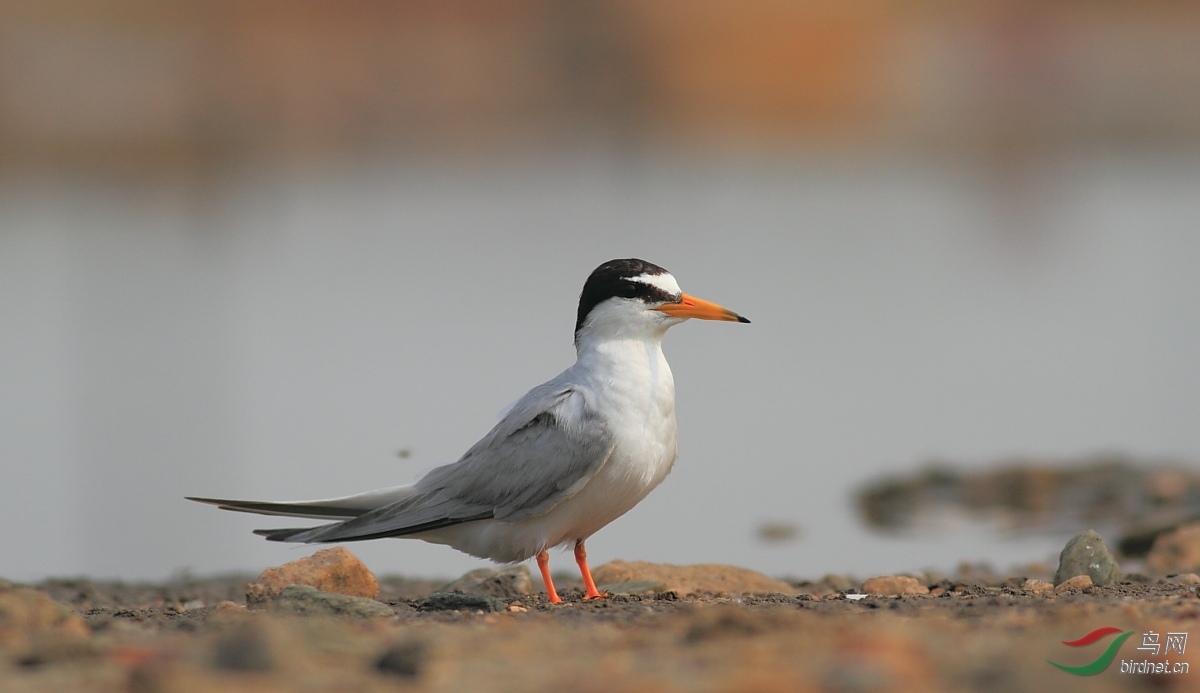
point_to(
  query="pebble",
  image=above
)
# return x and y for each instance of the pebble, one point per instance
(333, 570)
(306, 600)
(512, 581)
(692, 579)
(893, 585)
(455, 601)
(1079, 582)
(1087, 554)
(1185, 579)
(35, 629)
(1038, 586)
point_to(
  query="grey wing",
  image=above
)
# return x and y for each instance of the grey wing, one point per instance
(545, 450)
(543, 456)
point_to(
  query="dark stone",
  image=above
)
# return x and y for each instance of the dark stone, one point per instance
(1087, 554)
(513, 581)
(309, 601)
(403, 660)
(453, 601)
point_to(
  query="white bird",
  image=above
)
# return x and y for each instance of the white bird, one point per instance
(571, 456)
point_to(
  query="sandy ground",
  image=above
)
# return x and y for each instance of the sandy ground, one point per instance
(178, 636)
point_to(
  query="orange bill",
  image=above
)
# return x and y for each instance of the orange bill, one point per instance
(692, 307)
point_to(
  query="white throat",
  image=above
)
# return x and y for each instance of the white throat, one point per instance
(623, 320)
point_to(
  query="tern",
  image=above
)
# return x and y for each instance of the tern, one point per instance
(571, 456)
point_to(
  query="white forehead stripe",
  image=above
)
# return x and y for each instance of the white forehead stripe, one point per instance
(662, 281)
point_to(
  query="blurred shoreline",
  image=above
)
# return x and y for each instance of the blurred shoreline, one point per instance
(179, 83)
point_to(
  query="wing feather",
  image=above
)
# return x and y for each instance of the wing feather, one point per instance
(541, 453)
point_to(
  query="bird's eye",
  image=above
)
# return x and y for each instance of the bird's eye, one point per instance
(628, 291)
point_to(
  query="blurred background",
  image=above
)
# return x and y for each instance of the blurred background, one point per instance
(283, 250)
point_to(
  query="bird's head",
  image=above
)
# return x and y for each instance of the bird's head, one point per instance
(634, 298)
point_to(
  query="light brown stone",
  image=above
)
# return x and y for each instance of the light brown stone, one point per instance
(692, 579)
(34, 628)
(1185, 579)
(1177, 551)
(1079, 582)
(330, 570)
(892, 585)
(1038, 586)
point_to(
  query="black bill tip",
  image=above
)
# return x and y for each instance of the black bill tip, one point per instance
(744, 319)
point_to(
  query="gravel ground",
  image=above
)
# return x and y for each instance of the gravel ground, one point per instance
(178, 636)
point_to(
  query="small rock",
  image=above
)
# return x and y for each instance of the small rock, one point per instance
(1087, 554)
(937, 591)
(1079, 582)
(517, 608)
(455, 601)
(692, 579)
(35, 629)
(1185, 579)
(1177, 551)
(892, 585)
(306, 600)
(512, 581)
(1038, 586)
(635, 587)
(403, 660)
(333, 570)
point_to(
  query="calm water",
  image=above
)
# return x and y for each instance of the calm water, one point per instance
(283, 333)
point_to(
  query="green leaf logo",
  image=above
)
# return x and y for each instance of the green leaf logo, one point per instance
(1101, 663)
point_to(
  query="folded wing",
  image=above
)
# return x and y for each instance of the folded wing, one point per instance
(543, 451)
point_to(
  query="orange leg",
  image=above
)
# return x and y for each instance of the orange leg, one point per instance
(543, 562)
(581, 559)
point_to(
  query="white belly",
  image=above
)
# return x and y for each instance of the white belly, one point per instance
(616, 488)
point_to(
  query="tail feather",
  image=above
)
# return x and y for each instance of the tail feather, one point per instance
(344, 532)
(281, 534)
(393, 512)
(285, 509)
(346, 507)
